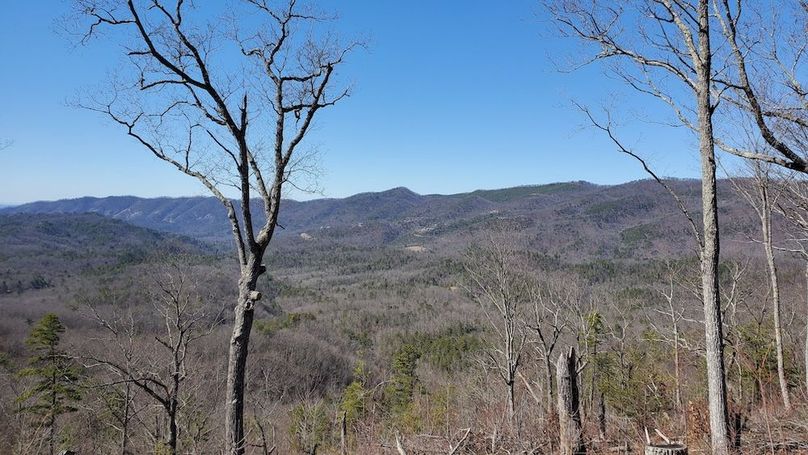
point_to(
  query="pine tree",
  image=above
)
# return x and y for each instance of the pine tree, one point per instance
(54, 390)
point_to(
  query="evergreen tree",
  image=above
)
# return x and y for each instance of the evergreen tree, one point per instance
(54, 390)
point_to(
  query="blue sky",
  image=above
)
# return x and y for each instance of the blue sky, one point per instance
(451, 96)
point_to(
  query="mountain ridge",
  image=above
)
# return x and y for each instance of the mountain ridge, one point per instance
(564, 217)
(287, 200)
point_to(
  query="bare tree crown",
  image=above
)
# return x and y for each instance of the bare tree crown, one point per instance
(226, 104)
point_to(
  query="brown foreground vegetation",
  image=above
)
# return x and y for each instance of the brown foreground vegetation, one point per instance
(363, 350)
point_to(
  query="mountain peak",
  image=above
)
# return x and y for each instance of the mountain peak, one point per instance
(400, 191)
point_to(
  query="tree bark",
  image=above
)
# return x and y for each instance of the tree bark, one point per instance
(237, 361)
(766, 227)
(716, 382)
(511, 403)
(52, 420)
(806, 329)
(676, 365)
(172, 429)
(548, 365)
(593, 380)
(512, 365)
(125, 420)
(569, 413)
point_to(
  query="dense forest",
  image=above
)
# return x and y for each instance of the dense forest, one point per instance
(661, 316)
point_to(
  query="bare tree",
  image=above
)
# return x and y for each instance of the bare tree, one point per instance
(671, 41)
(734, 297)
(548, 323)
(237, 127)
(674, 312)
(160, 375)
(495, 281)
(794, 207)
(590, 329)
(121, 348)
(763, 197)
(767, 55)
(766, 87)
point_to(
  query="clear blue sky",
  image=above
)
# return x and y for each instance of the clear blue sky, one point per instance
(451, 96)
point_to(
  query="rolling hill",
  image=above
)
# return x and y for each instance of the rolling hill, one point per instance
(573, 219)
(40, 248)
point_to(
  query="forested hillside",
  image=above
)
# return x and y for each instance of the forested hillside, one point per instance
(391, 330)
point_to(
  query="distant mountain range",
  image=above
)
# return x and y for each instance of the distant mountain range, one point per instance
(634, 219)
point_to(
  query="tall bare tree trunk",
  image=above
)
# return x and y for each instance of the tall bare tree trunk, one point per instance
(172, 428)
(237, 360)
(510, 377)
(806, 329)
(593, 378)
(511, 364)
(569, 412)
(548, 364)
(677, 366)
(125, 420)
(52, 422)
(716, 383)
(766, 228)
(512, 404)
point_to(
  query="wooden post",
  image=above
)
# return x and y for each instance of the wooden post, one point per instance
(667, 449)
(569, 414)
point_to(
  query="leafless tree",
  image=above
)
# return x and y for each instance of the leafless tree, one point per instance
(794, 207)
(232, 127)
(661, 41)
(763, 196)
(673, 311)
(160, 374)
(120, 344)
(767, 54)
(548, 322)
(590, 328)
(497, 282)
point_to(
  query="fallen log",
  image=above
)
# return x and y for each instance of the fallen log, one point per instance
(666, 449)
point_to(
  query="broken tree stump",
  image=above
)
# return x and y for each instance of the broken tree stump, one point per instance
(666, 449)
(569, 414)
